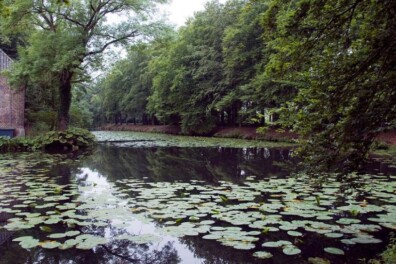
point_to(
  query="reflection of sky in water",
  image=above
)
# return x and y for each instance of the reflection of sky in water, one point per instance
(100, 186)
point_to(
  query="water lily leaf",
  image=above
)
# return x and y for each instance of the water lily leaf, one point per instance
(291, 250)
(279, 243)
(212, 236)
(294, 233)
(242, 246)
(348, 221)
(262, 255)
(57, 235)
(24, 238)
(334, 235)
(334, 251)
(50, 244)
(72, 233)
(366, 240)
(28, 243)
(70, 242)
(90, 241)
(389, 225)
(207, 222)
(348, 242)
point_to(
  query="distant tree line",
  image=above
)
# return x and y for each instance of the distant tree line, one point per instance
(207, 74)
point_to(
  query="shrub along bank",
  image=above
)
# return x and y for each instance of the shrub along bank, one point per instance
(70, 140)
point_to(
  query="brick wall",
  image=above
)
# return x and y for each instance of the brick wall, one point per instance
(12, 102)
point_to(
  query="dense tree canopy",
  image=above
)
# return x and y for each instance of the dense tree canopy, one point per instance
(205, 75)
(341, 55)
(64, 36)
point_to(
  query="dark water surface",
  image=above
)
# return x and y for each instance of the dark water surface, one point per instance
(187, 205)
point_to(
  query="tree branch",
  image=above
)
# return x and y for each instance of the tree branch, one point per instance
(100, 50)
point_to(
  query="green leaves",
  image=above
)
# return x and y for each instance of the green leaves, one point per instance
(62, 38)
(334, 51)
(334, 251)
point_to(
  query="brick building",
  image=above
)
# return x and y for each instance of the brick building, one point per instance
(12, 101)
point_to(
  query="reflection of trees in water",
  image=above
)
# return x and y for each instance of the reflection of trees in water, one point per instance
(214, 253)
(129, 252)
(169, 164)
(117, 252)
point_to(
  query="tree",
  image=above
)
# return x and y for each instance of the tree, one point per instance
(244, 54)
(63, 37)
(341, 55)
(190, 72)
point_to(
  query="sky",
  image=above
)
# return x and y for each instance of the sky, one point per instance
(180, 10)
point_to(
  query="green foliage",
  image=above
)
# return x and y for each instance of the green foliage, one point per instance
(80, 112)
(125, 90)
(80, 116)
(63, 37)
(389, 255)
(208, 74)
(72, 139)
(69, 140)
(41, 121)
(341, 57)
(16, 144)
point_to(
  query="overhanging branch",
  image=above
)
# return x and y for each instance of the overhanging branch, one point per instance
(100, 50)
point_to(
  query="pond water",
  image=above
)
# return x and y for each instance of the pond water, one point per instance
(159, 200)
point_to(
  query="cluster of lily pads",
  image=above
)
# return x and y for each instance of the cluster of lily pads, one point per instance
(144, 139)
(242, 216)
(249, 216)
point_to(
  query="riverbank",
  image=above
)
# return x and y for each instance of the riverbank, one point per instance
(270, 134)
(386, 148)
(222, 132)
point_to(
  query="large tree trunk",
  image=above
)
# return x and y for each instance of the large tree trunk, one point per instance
(65, 97)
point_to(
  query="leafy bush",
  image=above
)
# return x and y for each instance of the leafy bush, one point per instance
(69, 140)
(389, 255)
(17, 144)
(72, 139)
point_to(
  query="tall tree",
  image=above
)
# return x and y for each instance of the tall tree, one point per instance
(191, 75)
(342, 55)
(65, 36)
(244, 55)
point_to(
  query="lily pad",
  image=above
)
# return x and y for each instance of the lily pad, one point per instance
(50, 244)
(29, 243)
(334, 251)
(57, 235)
(366, 240)
(334, 235)
(291, 250)
(276, 244)
(262, 255)
(294, 233)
